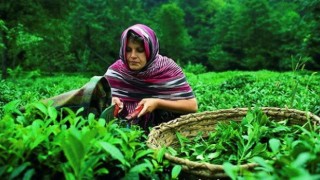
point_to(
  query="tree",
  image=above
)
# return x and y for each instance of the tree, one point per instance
(310, 13)
(174, 39)
(36, 32)
(199, 20)
(3, 51)
(96, 30)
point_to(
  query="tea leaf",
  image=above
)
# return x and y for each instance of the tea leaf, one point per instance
(90, 164)
(301, 159)
(74, 151)
(16, 172)
(274, 145)
(124, 136)
(214, 155)
(28, 175)
(131, 176)
(230, 170)
(102, 122)
(139, 168)
(102, 171)
(142, 153)
(176, 171)
(12, 106)
(200, 157)
(41, 107)
(267, 167)
(113, 151)
(52, 113)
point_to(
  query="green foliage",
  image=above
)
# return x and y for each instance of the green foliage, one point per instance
(29, 86)
(234, 142)
(265, 88)
(43, 144)
(280, 150)
(220, 34)
(195, 68)
(219, 59)
(96, 30)
(174, 41)
(298, 160)
(40, 137)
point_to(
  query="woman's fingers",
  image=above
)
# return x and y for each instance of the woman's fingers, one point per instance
(143, 110)
(116, 100)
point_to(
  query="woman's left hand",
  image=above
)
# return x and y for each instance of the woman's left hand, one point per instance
(179, 106)
(149, 105)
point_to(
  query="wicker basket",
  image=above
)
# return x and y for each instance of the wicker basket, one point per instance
(190, 125)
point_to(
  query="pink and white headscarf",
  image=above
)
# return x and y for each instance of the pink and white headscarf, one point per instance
(160, 78)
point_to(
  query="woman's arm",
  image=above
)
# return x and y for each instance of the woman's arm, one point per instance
(179, 106)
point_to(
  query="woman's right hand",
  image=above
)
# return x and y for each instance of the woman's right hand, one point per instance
(117, 101)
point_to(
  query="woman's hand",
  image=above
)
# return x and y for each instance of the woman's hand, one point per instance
(149, 105)
(178, 106)
(117, 101)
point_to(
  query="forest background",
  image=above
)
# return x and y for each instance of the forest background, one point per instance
(217, 35)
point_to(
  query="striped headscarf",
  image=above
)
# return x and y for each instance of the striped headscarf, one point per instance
(160, 78)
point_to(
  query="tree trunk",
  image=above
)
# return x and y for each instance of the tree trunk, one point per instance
(4, 55)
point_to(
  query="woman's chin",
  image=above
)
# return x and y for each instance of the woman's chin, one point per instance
(135, 68)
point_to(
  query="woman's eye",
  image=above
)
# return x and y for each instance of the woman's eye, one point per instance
(140, 50)
(128, 49)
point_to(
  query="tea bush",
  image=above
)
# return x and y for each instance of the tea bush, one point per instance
(41, 144)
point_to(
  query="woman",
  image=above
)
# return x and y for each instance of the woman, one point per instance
(144, 78)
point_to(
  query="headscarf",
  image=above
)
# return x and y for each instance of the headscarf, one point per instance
(160, 78)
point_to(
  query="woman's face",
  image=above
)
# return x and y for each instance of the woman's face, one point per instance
(135, 55)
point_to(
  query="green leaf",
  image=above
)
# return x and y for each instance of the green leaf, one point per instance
(302, 159)
(160, 154)
(172, 151)
(37, 124)
(113, 151)
(16, 172)
(12, 106)
(142, 153)
(267, 167)
(200, 157)
(259, 149)
(176, 171)
(124, 136)
(41, 107)
(52, 113)
(214, 155)
(230, 170)
(28, 175)
(79, 110)
(90, 163)
(131, 176)
(274, 145)
(74, 151)
(3, 169)
(102, 122)
(69, 176)
(102, 171)
(139, 168)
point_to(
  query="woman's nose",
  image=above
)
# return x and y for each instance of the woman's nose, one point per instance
(133, 54)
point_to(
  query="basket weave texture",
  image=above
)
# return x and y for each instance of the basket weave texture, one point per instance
(190, 125)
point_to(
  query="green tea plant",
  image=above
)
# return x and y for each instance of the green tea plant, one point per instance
(295, 157)
(234, 142)
(280, 150)
(43, 143)
(244, 89)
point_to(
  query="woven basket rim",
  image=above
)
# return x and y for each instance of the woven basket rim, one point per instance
(206, 169)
